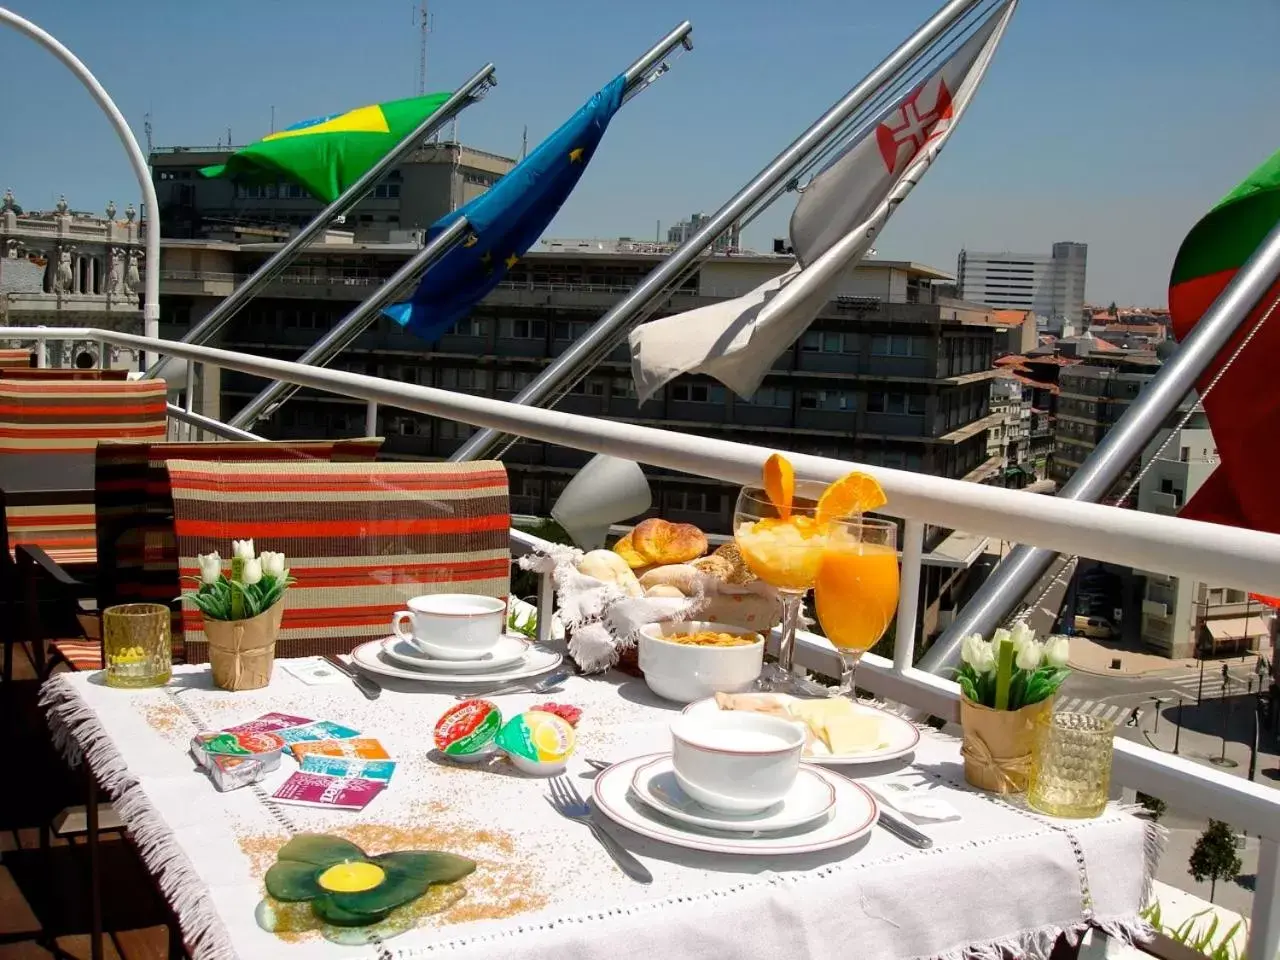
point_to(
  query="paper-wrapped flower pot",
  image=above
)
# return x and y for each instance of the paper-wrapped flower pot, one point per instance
(998, 744)
(242, 652)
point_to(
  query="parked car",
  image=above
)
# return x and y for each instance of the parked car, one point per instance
(1097, 628)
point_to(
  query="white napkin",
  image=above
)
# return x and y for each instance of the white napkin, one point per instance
(912, 801)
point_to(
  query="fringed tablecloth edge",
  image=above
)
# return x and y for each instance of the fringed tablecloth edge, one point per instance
(79, 736)
(1038, 944)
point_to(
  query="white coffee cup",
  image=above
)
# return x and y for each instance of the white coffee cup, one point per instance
(736, 762)
(452, 626)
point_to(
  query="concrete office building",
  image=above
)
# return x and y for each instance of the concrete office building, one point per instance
(1094, 395)
(427, 184)
(1182, 618)
(1050, 286)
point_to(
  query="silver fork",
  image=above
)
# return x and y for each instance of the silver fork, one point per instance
(567, 801)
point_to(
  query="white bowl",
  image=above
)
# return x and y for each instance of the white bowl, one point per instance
(734, 761)
(452, 626)
(684, 672)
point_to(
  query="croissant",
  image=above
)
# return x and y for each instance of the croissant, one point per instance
(660, 541)
(627, 552)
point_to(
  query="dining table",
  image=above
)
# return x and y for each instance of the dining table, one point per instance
(998, 876)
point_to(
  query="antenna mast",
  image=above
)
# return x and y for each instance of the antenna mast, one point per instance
(146, 128)
(424, 28)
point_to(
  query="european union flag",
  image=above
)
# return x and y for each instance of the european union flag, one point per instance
(506, 220)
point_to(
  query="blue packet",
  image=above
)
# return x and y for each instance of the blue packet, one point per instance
(380, 770)
(320, 730)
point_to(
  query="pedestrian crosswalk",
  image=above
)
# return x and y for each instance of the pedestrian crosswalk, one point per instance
(1103, 711)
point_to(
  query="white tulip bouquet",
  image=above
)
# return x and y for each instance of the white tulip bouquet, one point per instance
(254, 586)
(1013, 669)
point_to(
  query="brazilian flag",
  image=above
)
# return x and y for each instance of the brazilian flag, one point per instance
(326, 155)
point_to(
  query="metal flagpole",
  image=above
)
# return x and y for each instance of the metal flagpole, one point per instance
(354, 324)
(218, 318)
(610, 329)
(638, 76)
(1018, 573)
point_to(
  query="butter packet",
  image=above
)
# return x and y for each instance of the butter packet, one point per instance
(360, 748)
(231, 773)
(270, 723)
(380, 770)
(320, 730)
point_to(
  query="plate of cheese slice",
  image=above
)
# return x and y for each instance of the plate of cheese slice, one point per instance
(839, 730)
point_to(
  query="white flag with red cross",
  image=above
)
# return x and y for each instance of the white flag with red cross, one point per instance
(840, 213)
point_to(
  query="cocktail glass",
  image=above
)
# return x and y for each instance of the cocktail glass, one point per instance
(785, 553)
(856, 588)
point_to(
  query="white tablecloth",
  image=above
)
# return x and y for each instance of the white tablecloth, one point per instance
(1001, 877)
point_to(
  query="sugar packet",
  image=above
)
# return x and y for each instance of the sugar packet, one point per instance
(318, 790)
(380, 770)
(270, 723)
(358, 748)
(319, 730)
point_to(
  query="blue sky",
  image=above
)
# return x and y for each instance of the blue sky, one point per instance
(1113, 122)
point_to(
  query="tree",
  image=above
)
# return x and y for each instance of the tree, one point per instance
(1113, 309)
(1155, 805)
(1215, 856)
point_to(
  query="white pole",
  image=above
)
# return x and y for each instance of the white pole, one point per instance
(137, 160)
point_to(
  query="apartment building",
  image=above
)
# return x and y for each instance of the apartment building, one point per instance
(1094, 394)
(1051, 286)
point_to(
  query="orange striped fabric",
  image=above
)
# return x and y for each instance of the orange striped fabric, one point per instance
(136, 542)
(360, 538)
(48, 417)
(17, 357)
(66, 373)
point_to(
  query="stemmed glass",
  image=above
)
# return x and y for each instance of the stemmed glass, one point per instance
(856, 588)
(786, 554)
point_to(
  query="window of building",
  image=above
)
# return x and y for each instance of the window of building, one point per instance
(387, 191)
(915, 403)
(512, 380)
(772, 397)
(570, 329)
(892, 345)
(698, 392)
(470, 327)
(531, 487)
(694, 501)
(452, 430)
(1166, 486)
(517, 328)
(875, 402)
(1185, 454)
(624, 388)
(895, 403)
(590, 387)
(466, 378)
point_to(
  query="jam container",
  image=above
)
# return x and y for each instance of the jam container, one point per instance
(262, 747)
(231, 773)
(537, 742)
(466, 732)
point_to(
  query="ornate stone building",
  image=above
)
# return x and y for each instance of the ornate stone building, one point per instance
(64, 269)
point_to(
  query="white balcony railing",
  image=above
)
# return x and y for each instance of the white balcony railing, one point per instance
(1246, 559)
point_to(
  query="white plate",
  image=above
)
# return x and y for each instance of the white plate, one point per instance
(898, 736)
(371, 657)
(510, 650)
(812, 797)
(853, 816)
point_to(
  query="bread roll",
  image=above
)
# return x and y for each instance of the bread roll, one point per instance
(627, 552)
(608, 566)
(718, 567)
(683, 577)
(664, 590)
(660, 541)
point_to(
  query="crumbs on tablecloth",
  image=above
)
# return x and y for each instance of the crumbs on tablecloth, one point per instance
(503, 885)
(166, 718)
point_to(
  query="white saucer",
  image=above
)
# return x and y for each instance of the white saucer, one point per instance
(812, 797)
(510, 650)
(898, 737)
(852, 817)
(371, 657)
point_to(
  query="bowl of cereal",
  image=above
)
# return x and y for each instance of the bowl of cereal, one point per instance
(688, 660)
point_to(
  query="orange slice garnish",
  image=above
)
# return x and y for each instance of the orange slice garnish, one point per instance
(780, 483)
(852, 494)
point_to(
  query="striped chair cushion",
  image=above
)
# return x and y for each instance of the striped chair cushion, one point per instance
(136, 545)
(65, 531)
(47, 417)
(17, 357)
(45, 373)
(360, 538)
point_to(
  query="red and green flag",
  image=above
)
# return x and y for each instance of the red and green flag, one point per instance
(326, 155)
(1244, 407)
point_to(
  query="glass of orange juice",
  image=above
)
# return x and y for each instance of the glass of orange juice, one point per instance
(785, 552)
(856, 588)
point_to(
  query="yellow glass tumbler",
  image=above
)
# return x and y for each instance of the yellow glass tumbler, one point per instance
(1071, 765)
(136, 645)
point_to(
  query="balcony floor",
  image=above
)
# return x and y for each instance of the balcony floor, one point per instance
(48, 901)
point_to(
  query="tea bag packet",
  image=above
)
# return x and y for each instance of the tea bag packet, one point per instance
(912, 801)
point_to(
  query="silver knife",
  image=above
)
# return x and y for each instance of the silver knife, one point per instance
(364, 684)
(903, 830)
